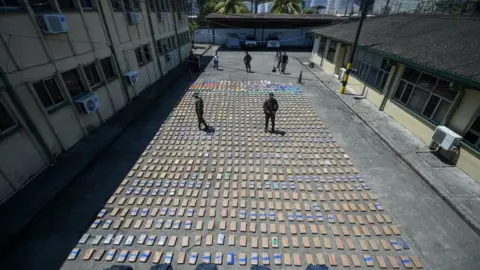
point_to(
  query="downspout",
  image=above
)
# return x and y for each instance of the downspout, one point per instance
(176, 32)
(149, 15)
(114, 52)
(24, 114)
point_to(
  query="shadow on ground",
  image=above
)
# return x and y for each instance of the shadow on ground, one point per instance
(52, 233)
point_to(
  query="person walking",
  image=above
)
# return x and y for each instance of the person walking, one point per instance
(270, 107)
(284, 62)
(215, 60)
(247, 59)
(278, 59)
(199, 111)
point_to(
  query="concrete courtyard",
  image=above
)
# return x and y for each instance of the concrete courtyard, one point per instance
(325, 191)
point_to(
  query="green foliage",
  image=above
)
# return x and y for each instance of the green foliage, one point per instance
(231, 7)
(287, 6)
(193, 26)
(208, 7)
(307, 11)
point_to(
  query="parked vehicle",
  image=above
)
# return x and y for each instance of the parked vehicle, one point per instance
(250, 41)
(273, 41)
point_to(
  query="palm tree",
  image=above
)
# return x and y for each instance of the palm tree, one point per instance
(287, 6)
(231, 6)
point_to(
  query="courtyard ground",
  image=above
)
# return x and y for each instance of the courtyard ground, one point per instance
(327, 188)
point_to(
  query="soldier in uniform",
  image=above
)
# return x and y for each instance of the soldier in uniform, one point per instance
(270, 107)
(247, 59)
(199, 111)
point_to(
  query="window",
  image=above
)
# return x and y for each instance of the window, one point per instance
(371, 69)
(117, 5)
(9, 3)
(143, 55)
(147, 54)
(152, 5)
(73, 83)
(6, 120)
(159, 48)
(138, 54)
(321, 47)
(87, 4)
(136, 4)
(107, 68)
(40, 6)
(169, 40)
(48, 93)
(92, 75)
(331, 50)
(473, 134)
(65, 4)
(427, 95)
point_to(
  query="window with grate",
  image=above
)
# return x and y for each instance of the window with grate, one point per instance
(92, 75)
(49, 93)
(86, 4)
(73, 83)
(371, 69)
(117, 5)
(152, 5)
(138, 54)
(136, 5)
(6, 120)
(425, 94)
(107, 68)
(473, 134)
(147, 54)
(331, 50)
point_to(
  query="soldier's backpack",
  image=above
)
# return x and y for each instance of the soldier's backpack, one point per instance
(163, 266)
(206, 266)
(317, 267)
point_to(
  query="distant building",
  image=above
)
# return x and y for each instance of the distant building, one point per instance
(421, 70)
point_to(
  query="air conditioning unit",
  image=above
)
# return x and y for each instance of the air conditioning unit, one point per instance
(446, 138)
(341, 74)
(88, 103)
(53, 23)
(133, 18)
(131, 77)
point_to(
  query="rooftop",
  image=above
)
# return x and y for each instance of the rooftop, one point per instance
(271, 16)
(443, 43)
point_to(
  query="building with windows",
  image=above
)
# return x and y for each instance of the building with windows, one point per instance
(421, 70)
(63, 71)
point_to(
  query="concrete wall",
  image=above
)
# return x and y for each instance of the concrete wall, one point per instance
(468, 159)
(288, 37)
(28, 56)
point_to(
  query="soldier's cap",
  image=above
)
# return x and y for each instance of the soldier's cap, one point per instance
(195, 94)
(270, 94)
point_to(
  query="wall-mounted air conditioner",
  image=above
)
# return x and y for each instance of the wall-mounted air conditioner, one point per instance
(53, 23)
(133, 18)
(446, 138)
(341, 74)
(131, 77)
(88, 103)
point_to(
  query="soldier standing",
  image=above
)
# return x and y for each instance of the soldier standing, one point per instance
(284, 62)
(199, 111)
(247, 59)
(270, 107)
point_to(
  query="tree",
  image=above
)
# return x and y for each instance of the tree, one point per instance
(307, 11)
(208, 7)
(231, 6)
(287, 6)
